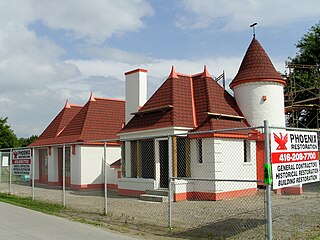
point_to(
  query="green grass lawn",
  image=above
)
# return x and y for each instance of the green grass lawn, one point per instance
(40, 206)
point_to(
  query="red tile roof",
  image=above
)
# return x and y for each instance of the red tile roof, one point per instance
(98, 119)
(256, 66)
(59, 122)
(192, 97)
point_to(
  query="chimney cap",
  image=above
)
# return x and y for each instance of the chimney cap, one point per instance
(136, 70)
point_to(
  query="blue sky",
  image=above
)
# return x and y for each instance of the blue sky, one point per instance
(51, 51)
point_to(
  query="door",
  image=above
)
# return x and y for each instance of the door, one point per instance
(43, 166)
(164, 163)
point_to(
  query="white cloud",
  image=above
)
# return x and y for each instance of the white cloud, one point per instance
(93, 20)
(115, 54)
(34, 80)
(234, 15)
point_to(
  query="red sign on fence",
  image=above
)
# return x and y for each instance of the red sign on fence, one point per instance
(21, 162)
(295, 158)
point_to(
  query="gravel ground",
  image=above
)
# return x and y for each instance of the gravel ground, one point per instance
(294, 217)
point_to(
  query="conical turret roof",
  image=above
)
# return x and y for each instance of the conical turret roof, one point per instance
(256, 66)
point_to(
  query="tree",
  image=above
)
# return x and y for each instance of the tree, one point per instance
(305, 89)
(309, 47)
(24, 142)
(7, 137)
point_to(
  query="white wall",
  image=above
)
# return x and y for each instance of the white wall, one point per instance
(249, 97)
(222, 159)
(206, 169)
(231, 165)
(92, 164)
(113, 154)
(75, 161)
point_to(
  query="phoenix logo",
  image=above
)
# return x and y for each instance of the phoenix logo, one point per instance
(15, 154)
(281, 140)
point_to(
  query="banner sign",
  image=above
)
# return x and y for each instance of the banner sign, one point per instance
(21, 162)
(295, 158)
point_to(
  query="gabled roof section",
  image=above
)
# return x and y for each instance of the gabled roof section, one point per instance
(211, 98)
(63, 118)
(256, 66)
(191, 98)
(170, 105)
(98, 119)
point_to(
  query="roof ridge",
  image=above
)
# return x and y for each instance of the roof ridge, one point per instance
(85, 117)
(76, 105)
(110, 99)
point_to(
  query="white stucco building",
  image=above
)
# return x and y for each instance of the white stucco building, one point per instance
(75, 130)
(190, 104)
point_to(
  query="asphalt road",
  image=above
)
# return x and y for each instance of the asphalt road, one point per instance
(18, 223)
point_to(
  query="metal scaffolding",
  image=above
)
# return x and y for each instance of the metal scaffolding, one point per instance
(299, 99)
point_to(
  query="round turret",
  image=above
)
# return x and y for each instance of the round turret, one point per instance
(258, 88)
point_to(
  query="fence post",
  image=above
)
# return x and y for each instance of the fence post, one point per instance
(170, 156)
(64, 175)
(10, 171)
(268, 186)
(105, 179)
(32, 174)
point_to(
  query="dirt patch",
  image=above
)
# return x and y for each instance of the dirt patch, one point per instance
(294, 217)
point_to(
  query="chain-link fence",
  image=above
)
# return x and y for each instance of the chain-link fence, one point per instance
(295, 203)
(201, 185)
(216, 175)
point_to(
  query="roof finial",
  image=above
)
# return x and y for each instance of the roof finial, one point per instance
(92, 97)
(67, 104)
(205, 72)
(173, 73)
(253, 29)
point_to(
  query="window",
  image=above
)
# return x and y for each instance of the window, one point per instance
(147, 158)
(142, 158)
(133, 154)
(246, 151)
(183, 157)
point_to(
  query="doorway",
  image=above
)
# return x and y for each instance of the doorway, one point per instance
(164, 163)
(43, 166)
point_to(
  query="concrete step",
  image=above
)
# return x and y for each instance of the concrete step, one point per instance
(158, 192)
(153, 198)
